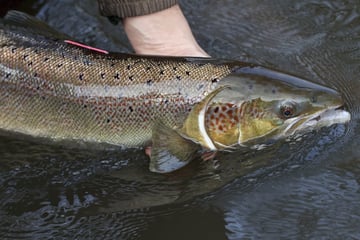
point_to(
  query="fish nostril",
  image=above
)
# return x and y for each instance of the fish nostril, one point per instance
(314, 99)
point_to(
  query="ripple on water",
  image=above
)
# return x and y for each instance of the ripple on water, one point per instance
(307, 187)
(49, 191)
(303, 207)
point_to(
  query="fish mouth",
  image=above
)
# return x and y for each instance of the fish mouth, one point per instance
(325, 118)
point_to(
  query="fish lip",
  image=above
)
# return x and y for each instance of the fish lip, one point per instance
(326, 117)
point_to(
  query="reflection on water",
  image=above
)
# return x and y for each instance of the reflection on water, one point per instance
(305, 187)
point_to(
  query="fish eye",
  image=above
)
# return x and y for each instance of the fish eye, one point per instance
(287, 110)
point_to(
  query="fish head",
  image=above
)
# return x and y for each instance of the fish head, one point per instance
(260, 106)
(250, 107)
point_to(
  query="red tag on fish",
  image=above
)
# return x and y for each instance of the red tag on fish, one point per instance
(86, 46)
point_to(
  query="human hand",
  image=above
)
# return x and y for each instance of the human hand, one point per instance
(166, 32)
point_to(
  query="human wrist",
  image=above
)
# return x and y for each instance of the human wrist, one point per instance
(162, 33)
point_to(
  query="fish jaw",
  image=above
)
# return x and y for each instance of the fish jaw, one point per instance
(325, 109)
(324, 118)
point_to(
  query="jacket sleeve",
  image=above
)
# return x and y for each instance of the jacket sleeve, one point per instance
(131, 8)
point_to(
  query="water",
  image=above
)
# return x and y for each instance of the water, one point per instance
(306, 188)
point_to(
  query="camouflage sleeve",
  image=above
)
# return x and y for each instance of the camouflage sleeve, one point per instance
(131, 8)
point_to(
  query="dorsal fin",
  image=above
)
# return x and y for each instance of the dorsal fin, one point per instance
(21, 19)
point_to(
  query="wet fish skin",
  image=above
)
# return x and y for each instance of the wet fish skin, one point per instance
(50, 88)
(66, 92)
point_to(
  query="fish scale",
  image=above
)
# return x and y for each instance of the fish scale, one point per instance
(95, 97)
(56, 88)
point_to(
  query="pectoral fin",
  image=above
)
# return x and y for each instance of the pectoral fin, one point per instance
(170, 151)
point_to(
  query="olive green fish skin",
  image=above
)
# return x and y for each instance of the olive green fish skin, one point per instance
(55, 90)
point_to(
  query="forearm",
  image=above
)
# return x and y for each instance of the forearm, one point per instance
(132, 8)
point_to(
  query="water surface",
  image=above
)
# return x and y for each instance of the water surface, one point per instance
(306, 188)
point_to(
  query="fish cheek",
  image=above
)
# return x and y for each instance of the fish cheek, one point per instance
(256, 128)
(222, 124)
(226, 138)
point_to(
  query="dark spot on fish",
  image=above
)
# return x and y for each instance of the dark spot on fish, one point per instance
(13, 50)
(7, 75)
(25, 56)
(36, 51)
(35, 74)
(166, 101)
(314, 99)
(215, 80)
(108, 120)
(102, 75)
(128, 67)
(81, 76)
(63, 55)
(38, 88)
(162, 72)
(216, 110)
(59, 65)
(85, 106)
(149, 82)
(87, 62)
(112, 64)
(117, 76)
(187, 73)
(43, 97)
(131, 78)
(200, 86)
(45, 59)
(131, 109)
(178, 77)
(159, 64)
(175, 68)
(148, 68)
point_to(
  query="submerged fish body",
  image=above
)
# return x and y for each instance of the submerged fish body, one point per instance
(52, 89)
